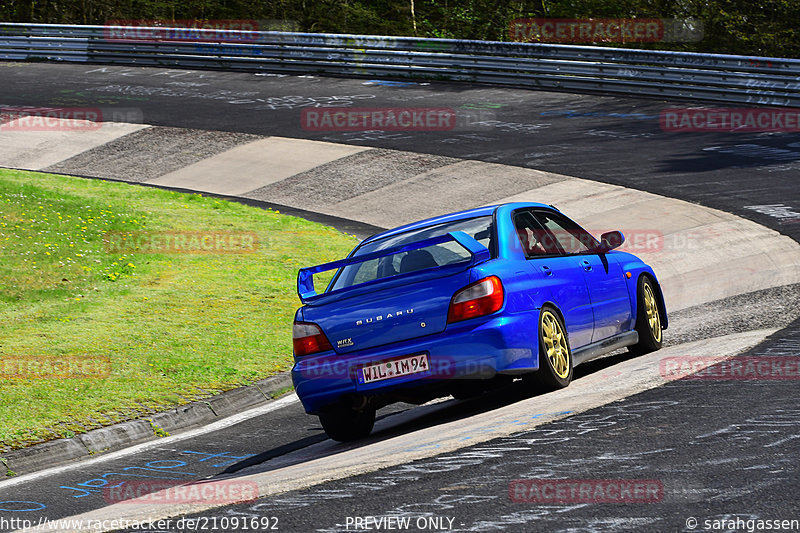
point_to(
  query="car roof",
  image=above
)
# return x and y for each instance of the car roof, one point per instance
(450, 217)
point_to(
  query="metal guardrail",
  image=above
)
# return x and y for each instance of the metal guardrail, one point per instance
(712, 77)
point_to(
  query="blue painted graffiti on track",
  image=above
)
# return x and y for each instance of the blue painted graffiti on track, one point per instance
(163, 469)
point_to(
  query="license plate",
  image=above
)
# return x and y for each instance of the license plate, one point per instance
(405, 366)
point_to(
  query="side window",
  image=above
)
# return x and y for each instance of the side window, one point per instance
(535, 240)
(571, 238)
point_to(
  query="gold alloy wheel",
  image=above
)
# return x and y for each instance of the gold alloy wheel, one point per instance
(555, 344)
(651, 307)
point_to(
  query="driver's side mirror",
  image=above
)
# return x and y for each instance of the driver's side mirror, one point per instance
(611, 240)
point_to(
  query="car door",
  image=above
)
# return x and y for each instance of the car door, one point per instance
(605, 280)
(558, 276)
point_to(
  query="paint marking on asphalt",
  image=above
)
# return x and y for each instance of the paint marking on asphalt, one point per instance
(215, 426)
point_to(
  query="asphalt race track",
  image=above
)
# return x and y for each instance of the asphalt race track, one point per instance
(719, 450)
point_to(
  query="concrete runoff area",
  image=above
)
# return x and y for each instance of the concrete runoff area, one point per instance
(36, 150)
(149, 153)
(254, 165)
(323, 188)
(462, 185)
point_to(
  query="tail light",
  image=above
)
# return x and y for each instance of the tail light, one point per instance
(308, 338)
(478, 299)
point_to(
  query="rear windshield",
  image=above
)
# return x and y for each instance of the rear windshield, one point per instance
(447, 253)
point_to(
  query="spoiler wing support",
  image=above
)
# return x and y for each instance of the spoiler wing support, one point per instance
(305, 276)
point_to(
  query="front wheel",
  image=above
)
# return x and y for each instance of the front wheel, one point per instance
(345, 424)
(648, 319)
(555, 355)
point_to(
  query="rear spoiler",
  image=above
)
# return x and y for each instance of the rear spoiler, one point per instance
(305, 276)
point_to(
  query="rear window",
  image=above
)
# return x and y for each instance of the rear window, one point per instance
(479, 228)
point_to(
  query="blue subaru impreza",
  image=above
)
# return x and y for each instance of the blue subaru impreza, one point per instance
(453, 303)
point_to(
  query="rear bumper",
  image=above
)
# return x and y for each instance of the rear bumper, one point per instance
(473, 349)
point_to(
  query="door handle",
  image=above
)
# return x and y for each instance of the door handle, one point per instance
(547, 271)
(586, 266)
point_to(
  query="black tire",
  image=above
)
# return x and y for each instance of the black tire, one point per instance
(648, 318)
(555, 355)
(344, 424)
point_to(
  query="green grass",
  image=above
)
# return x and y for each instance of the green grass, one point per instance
(171, 327)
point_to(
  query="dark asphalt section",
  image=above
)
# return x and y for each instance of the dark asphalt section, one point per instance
(349, 176)
(81, 489)
(610, 139)
(718, 450)
(130, 158)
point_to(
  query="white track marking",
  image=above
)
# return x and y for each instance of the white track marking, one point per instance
(214, 426)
